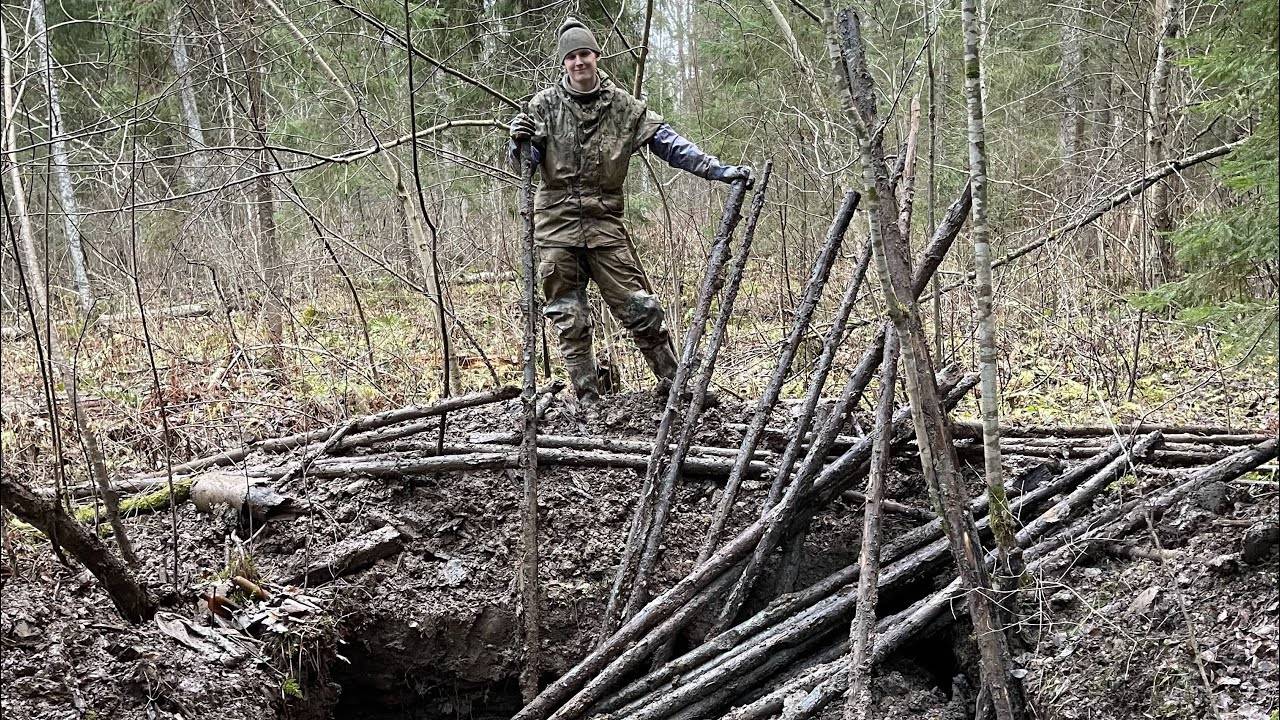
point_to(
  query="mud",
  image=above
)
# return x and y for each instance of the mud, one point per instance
(433, 632)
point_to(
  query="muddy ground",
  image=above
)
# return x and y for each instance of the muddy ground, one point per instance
(432, 632)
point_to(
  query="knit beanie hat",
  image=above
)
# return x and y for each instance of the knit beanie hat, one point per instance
(573, 35)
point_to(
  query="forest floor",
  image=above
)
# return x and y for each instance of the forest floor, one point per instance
(431, 631)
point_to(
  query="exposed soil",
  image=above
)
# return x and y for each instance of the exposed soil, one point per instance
(433, 632)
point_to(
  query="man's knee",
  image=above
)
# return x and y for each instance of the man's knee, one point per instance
(642, 314)
(571, 317)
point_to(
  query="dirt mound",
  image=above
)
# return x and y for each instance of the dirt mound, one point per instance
(432, 631)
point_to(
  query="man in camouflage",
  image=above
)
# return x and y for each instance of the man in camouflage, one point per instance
(583, 131)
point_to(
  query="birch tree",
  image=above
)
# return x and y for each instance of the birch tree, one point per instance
(192, 127)
(61, 165)
(1001, 522)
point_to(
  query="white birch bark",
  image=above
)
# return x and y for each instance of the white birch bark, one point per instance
(989, 401)
(26, 238)
(192, 127)
(61, 167)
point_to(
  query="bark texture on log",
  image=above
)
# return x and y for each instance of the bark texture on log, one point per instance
(642, 518)
(937, 454)
(134, 601)
(352, 554)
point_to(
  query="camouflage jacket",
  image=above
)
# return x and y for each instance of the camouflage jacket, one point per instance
(585, 141)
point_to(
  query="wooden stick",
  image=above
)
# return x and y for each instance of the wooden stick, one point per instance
(808, 304)
(530, 590)
(642, 518)
(649, 555)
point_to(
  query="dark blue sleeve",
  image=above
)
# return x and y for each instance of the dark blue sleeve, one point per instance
(682, 154)
(513, 154)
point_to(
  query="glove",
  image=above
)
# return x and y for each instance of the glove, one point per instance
(522, 128)
(734, 173)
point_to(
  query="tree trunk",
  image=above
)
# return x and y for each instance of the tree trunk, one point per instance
(1161, 221)
(937, 454)
(1071, 71)
(1001, 522)
(61, 166)
(192, 127)
(269, 252)
(28, 256)
(132, 599)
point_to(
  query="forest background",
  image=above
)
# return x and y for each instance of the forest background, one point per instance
(258, 184)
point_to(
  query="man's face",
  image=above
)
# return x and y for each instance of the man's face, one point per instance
(580, 66)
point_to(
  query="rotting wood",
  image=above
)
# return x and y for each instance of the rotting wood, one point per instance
(131, 598)
(247, 496)
(354, 553)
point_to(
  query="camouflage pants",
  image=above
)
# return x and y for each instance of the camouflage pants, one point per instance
(564, 274)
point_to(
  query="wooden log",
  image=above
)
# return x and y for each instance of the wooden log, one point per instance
(360, 426)
(862, 631)
(248, 496)
(642, 518)
(461, 458)
(530, 590)
(1179, 433)
(753, 433)
(354, 553)
(639, 593)
(131, 598)
(608, 444)
(173, 312)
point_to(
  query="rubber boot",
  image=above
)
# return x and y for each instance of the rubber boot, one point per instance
(586, 383)
(662, 363)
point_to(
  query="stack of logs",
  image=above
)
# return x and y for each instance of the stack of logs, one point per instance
(790, 655)
(792, 652)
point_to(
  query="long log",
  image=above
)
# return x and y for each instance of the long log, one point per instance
(130, 597)
(609, 444)
(640, 594)
(1172, 433)
(753, 432)
(361, 425)
(461, 458)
